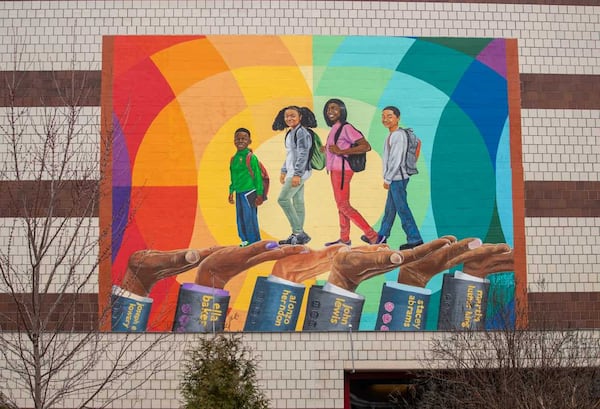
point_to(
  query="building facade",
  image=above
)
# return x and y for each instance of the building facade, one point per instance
(558, 45)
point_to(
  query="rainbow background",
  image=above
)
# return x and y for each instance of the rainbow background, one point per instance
(172, 103)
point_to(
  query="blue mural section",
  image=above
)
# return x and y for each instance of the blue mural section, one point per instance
(454, 93)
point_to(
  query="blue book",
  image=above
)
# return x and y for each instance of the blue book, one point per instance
(463, 302)
(200, 309)
(129, 311)
(275, 305)
(331, 308)
(402, 307)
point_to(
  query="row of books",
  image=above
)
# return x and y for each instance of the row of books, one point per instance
(276, 303)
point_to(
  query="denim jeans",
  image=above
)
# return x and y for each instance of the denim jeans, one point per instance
(247, 219)
(291, 200)
(397, 203)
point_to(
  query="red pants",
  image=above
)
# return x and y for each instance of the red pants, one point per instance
(346, 212)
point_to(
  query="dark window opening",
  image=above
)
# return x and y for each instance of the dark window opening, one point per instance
(382, 390)
(547, 387)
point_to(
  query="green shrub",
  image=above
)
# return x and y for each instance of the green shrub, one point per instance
(221, 373)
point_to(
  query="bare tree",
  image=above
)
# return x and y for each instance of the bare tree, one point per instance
(510, 367)
(49, 255)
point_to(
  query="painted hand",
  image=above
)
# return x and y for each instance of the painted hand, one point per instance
(487, 259)
(351, 266)
(224, 264)
(306, 264)
(146, 267)
(478, 259)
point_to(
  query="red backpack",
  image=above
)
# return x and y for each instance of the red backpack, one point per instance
(263, 172)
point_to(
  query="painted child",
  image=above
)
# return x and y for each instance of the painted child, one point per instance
(248, 188)
(296, 169)
(395, 181)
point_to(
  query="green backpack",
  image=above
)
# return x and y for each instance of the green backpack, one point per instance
(316, 156)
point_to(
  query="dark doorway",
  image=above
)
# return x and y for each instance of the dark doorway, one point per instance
(381, 390)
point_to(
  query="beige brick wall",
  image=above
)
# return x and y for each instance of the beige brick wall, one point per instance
(63, 35)
(305, 370)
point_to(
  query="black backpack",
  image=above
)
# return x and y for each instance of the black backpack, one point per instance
(357, 161)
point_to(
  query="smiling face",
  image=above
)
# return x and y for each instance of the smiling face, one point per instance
(389, 119)
(334, 112)
(292, 117)
(241, 140)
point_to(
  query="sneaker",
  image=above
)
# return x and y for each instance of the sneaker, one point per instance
(409, 246)
(338, 241)
(244, 243)
(380, 239)
(292, 239)
(302, 238)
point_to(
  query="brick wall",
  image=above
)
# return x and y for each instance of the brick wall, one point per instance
(560, 92)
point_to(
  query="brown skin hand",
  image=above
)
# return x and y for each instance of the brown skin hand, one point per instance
(478, 260)
(146, 267)
(352, 266)
(426, 249)
(419, 272)
(487, 259)
(221, 266)
(307, 264)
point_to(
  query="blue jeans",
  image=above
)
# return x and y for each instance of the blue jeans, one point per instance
(247, 219)
(291, 200)
(397, 203)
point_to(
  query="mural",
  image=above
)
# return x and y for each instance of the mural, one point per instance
(196, 125)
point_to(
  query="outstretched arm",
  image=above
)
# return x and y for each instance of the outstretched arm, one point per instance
(146, 267)
(306, 264)
(222, 265)
(353, 266)
(478, 259)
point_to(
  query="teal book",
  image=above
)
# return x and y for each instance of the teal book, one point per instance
(129, 311)
(331, 308)
(200, 309)
(402, 307)
(463, 302)
(275, 305)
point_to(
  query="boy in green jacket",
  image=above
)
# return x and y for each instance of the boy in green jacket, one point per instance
(247, 183)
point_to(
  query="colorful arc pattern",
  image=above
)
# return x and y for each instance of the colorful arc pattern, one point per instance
(176, 101)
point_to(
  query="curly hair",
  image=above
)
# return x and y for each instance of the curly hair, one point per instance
(307, 118)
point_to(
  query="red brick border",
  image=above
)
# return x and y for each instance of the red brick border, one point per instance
(47, 88)
(546, 310)
(562, 199)
(76, 312)
(564, 310)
